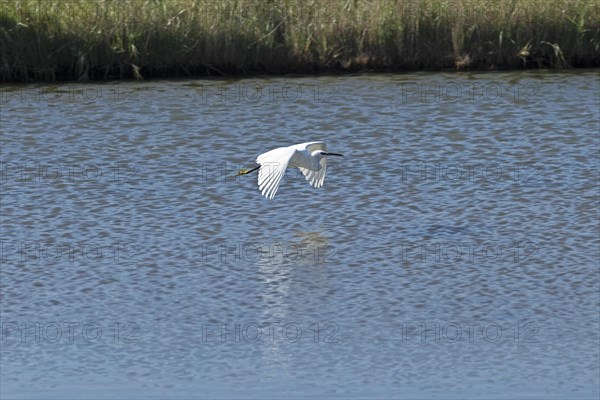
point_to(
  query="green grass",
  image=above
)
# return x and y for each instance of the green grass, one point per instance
(109, 39)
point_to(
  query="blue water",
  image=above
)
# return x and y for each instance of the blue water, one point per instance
(452, 253)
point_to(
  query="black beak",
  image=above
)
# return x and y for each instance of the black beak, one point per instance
(333, 154)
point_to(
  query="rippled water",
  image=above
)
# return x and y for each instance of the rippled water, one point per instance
(452, 253)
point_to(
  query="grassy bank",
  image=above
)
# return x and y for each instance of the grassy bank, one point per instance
(108, 39)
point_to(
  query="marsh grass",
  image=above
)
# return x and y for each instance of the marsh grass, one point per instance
(108, 39)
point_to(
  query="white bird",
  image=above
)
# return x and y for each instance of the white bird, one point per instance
(310, 158)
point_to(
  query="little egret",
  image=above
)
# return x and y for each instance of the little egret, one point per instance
(310, 158)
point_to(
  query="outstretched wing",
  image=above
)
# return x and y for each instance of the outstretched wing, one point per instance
(272, 167)
(316, 178)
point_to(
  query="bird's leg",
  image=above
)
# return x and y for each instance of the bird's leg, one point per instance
(245, 171)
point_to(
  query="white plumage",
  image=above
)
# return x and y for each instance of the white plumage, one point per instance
(310, 158)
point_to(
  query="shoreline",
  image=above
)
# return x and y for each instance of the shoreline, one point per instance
(333, 74)
(98, 41)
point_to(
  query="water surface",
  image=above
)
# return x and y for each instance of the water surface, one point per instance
(452, 253)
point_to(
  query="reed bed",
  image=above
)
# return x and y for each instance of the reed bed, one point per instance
(107, 39)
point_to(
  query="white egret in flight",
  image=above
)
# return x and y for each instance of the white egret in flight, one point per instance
(310, 158)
